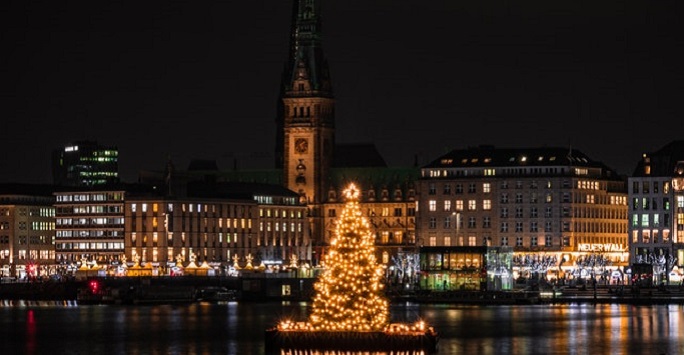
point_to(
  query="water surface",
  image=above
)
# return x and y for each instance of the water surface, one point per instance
(237, 328)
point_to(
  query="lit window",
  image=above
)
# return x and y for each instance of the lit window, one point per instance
(487, 205)
(472, 205)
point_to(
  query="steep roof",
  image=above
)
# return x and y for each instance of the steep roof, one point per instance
(306, 49)
(237, 190)
(662, 162)
(490, 157)
(357, 155)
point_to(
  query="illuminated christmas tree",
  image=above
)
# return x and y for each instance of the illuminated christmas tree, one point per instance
(349, 294)
(350, 312)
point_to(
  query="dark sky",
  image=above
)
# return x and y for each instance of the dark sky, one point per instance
(199, 79)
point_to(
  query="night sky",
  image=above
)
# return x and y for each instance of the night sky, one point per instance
(200, 79)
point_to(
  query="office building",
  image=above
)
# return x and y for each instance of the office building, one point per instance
(89, 226)
(656, 214)
(85, 163)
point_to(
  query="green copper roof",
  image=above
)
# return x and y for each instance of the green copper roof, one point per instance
(306, 49)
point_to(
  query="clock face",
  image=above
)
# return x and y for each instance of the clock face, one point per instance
(301, 145)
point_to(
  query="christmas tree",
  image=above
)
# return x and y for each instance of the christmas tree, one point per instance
(349, 294)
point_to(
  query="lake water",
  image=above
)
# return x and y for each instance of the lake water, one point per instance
(238, 328)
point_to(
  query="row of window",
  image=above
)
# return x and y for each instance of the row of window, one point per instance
(382, 212)
(33, 254)
(109, 247)
(90, 209)
(231, 210)
(267, 212)
(89, 233)
(533, 241)
(548, 212)
(647, 186)
(646, 203)
(83, 197)
(32, 240)
(102, 221)
(196, 238)
(486, 187)
(493, 172)
(651, 236)
(277, 227)
(648, 220)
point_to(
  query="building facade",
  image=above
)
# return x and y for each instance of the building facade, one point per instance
(27, 233)
(563, 214)
(223, 225)
(388, 199)
(656, 214)
(89, 225)
(85, 163)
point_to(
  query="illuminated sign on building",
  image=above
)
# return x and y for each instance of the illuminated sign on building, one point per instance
(607, 247)
(71, 148)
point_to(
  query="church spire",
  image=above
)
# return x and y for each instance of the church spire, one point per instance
(307, 68)
(307, 108)
(306, 96)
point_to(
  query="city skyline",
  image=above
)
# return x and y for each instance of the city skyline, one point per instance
(194, 80)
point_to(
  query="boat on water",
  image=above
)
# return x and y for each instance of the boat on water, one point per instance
(96, 292)
(216, 294)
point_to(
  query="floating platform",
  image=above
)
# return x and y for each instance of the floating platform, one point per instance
(351, 341)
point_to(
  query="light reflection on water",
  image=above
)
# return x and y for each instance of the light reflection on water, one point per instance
(334, 352)
(238, 328)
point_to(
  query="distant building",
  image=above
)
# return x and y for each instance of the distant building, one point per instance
(85, 163)
(561, 212)
(27, 230)
(656, 213)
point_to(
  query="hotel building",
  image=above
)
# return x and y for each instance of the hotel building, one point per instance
(563, 214)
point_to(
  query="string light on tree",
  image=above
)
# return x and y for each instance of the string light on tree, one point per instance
(349, 294)
(350, 310)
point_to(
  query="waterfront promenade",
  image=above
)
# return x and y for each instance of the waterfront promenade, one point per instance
(602, 294)
(267, 289)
